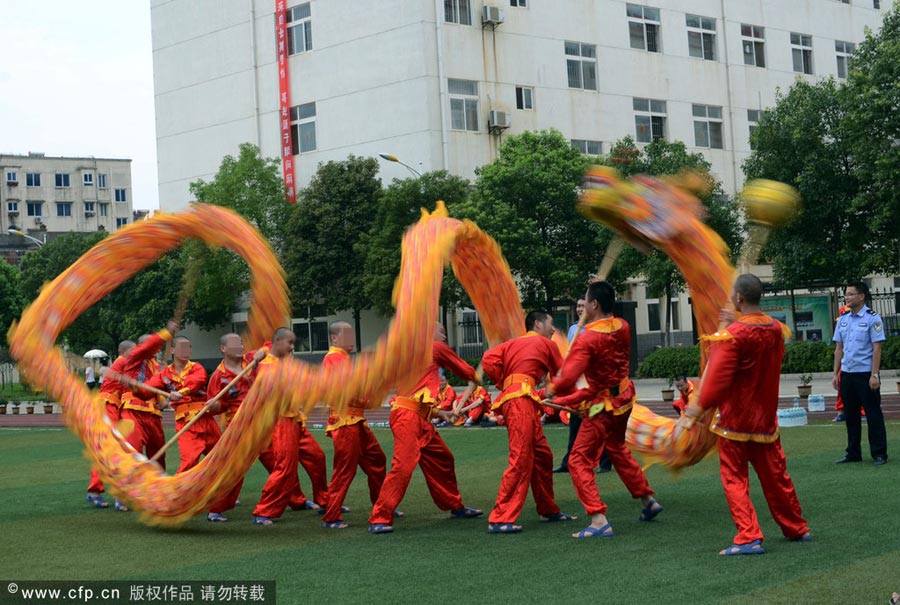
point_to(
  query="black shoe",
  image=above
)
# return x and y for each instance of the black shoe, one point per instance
(847, 459)
(603, 469)
(879, 460)
(561, 469)
(839, 417)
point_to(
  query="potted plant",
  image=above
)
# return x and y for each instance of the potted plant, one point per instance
(48, 407)
(29, 407)
(805, 388)
(14, 407)
(3, 403)
(668, 393)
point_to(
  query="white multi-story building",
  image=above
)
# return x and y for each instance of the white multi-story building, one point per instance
(439, 83)
(44, 195)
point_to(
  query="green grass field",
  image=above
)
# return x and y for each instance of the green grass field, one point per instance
(49, 532)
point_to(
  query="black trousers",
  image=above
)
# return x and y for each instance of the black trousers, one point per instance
(574, 424)
(856, 394)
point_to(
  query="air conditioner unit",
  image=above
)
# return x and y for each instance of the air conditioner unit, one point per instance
(12, 183)
(498, 121)
(13, 213)
(89, 213)
(491, 15)
(38, 221)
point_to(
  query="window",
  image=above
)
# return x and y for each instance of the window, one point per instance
(121, 222)
(587, 147)
(457, 11)
(32, 179)
(643, 27)
(62, 180)
(104, 209)
(653, 316)
(311, 336)
(582, 71)
(34, 208)
(120, 195)
(701, 37)
(524, 97)
(64, 209)
(101, 181)
(519, 3)
(12, 177)
(88, 179)
(801, 49)
(649, 120)
(89, 207)
(876, 4)
(753, 39)
(707, 126)
(463, 104)
(303, 128)
(843, 50)
(675, 318)
(299, 29)
(753, 118)
(12, 206)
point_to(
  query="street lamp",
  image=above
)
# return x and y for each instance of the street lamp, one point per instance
(14, 231)
(390, 157)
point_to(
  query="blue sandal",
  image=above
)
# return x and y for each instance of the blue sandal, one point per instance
(263, 521)
(503, 528)
(753, 548)
(649, 513)
(466, 512)
(380, 528)
(321, 509)
(335, 524)
(216, 518)
(557, 517)
(97, 500)
(121, 508)
(592, 532)
(398, 514)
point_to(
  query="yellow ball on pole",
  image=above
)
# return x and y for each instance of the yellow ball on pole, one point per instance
(770, 203)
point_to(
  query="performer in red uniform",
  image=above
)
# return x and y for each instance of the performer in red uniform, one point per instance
(602, 353)
(742, 380)
(417, 442)
(312, 458)
(140, 364)
(280, 458)
(185, 380)
(354, 443)
(686, 388)
(481, 400)
(111, 394)
(233, 362)
(517, 366)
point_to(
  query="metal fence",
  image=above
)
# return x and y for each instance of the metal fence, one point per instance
(887, 304)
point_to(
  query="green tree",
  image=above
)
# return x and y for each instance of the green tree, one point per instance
(803, 141)
(325, 262)
(11, 298)
(251, 186)
(526, 199)
(399, 209)
(872, 99)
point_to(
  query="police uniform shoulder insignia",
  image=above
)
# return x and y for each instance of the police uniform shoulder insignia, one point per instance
(870, 312)
(877, 326)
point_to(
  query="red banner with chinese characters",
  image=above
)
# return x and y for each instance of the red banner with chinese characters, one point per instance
(284, 100)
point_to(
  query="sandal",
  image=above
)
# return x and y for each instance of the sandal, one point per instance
(398, 514)
(557, 517)
(263, 520)
(121, 508)
(380, 528)
(753, 548)
(321, 509)
(466, 512)
(335, 524)
(97, 500)
(653, 509)
(310, 505)
(593, 532)
(807, 537)
(216, 518)
(503, 528)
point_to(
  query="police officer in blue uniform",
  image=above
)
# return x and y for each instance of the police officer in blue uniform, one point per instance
(858, 335)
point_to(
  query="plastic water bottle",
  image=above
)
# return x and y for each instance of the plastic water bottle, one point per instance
(796, 402)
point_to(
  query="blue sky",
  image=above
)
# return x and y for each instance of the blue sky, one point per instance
(76, 79)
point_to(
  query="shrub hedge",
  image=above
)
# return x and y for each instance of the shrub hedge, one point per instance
(671, 361)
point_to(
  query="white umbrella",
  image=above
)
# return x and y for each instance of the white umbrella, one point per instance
(95, 354)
